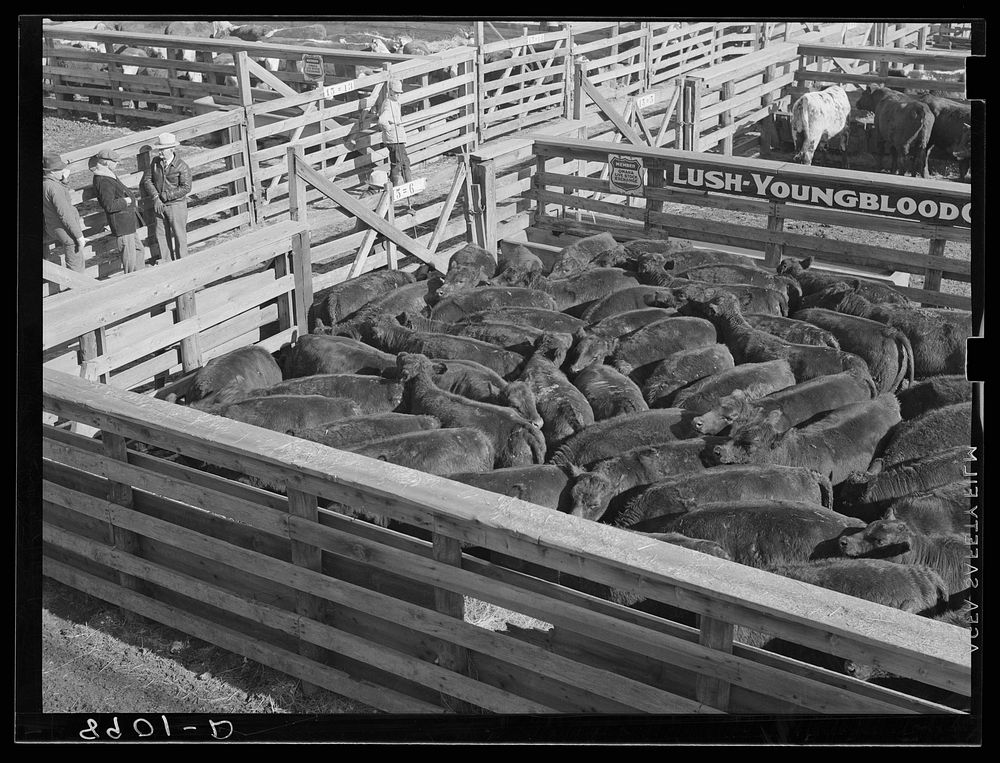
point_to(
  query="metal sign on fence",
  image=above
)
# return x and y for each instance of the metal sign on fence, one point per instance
(409, 189)
(312, 67)
(626, 174)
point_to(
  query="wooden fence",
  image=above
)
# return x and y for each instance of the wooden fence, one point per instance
(378, 615)
(834, 197)
(130, 332)
(171, 82)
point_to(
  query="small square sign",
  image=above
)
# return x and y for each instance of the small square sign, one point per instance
(626, 174)
(312, 67)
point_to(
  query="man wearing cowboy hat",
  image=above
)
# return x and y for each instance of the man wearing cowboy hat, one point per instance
(62, 221)
(390, 120)
(166, 185)
(121, 208)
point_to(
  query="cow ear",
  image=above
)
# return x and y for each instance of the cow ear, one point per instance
(773, 418)
(517, 491)
(576, 471)
(738, 394)
(890, 514)
(439, 367)
(580, 333)
(806, 262)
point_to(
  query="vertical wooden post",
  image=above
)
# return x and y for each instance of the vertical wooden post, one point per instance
(767, 124)
(56, 79)
(539, 186)
(301, 259)
(656, 180)
(715, 634)
(579, 72)
(932, 278)
(249, 137)
(568, 74)
(120, 493)
(450, 656)
(114, 68)
(773, 253)
(472, 89)
(390, 217)
(726, 117)
(921, 44)
(190, 345)
(883, 66)
(697, 86)
(305, 506)
(484, 179)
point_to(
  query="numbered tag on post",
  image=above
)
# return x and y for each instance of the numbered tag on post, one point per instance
(409, 189)
(645, 101)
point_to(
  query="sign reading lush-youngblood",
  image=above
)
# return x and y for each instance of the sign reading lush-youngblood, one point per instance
(879, 198)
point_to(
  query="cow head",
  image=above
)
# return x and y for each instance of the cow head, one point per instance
(519, 396)
(963, 149)
(883, 538)
(590, 348)
(590, 494)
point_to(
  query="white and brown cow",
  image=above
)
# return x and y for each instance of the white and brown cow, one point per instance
(818, 118)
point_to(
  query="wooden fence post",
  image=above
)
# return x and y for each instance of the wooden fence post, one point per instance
(568, 74)
(248, 135)
(120, 493)
(656, 179)
(450, 656)
(932, 278)
(579, 72)
(767, 132)
(114, 68)
(301, 259)
(539, 187)
(726, 117)
(773, 253)
(484, 180)
(715, 634)
(305, 506)
(390, 217)
(921, 44)
(56, 79)
(190, 345)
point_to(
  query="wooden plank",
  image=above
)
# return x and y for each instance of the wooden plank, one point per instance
(351, 205)
(457, 184)
(120, 493)
(867, 79)
(66, 277)
(369, 237)
(611, 113)
(86, 310)
(442, 626)
(714, 634)
(231, 639)
(937, 59)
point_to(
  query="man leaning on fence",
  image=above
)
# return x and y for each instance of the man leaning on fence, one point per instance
(121, 207)
(166, 185)
(62, 221)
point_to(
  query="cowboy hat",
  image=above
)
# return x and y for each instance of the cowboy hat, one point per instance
(166, 140)
(53, 162)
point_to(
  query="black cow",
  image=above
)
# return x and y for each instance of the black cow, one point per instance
(952, 130)
(903, 123)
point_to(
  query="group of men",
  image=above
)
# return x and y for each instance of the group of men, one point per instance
(164, 188)
(161, 206)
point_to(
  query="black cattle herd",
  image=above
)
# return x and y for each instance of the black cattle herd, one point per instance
(799, 421)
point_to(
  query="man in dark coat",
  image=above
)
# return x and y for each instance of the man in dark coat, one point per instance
(62, 221)
(166, 185)
(121, 207)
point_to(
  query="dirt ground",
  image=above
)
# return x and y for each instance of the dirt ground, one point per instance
(93, 660)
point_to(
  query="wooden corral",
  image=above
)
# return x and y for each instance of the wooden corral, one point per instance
(646, 220)
(376, 614)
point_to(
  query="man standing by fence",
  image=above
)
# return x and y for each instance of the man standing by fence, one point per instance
(167, 183)
(62, 221)
(390, 119)
(119, 204)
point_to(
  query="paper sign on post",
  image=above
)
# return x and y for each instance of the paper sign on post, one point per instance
(339, 89)
(409, 189)
(626, 175)
(643, 101)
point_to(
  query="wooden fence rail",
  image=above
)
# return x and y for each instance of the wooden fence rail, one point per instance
(937, 211)
(384, 624)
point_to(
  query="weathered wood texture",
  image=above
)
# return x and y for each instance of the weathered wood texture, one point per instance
(246, 594)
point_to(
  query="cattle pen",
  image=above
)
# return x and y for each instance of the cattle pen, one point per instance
(356, 575)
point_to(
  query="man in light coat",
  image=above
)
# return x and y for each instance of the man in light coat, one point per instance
(166, 185)
(121, 207)
(390, 120)
(62, 221)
